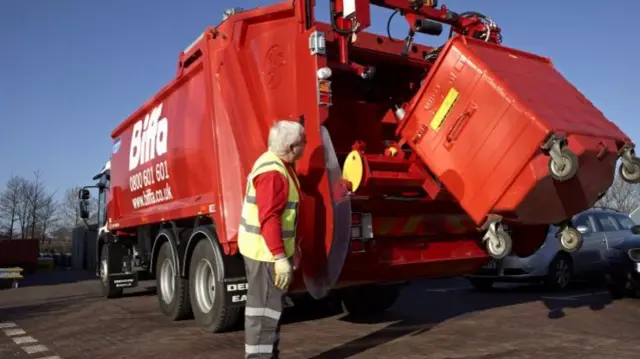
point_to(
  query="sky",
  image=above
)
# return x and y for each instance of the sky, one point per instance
(72, 70)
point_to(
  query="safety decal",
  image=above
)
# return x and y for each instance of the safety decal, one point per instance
(444, 110)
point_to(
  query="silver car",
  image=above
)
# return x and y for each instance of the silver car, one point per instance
(554, 267)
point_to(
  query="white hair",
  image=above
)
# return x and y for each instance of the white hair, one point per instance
(283, 134)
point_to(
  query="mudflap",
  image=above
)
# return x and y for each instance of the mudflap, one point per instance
(235, 281)
(235, 291)
(123, 280)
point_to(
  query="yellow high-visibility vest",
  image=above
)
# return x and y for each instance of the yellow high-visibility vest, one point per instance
(251, 244)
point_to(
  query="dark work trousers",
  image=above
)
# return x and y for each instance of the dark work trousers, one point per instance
(262, 312)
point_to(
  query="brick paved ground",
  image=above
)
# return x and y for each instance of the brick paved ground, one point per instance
(71, 321)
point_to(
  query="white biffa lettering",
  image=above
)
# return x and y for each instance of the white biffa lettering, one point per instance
(148, 138)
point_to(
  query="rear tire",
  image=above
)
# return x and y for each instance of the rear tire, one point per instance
(207, 290)
(173, 290)
(370, 300)
(106, 289)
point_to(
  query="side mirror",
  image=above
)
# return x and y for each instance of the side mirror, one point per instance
(84, 209)
(84, 194)
(635, 229)
(582, 229)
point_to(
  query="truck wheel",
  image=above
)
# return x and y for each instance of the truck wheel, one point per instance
(207, 290)
(107, 291)
(173, 290)
(369, 300)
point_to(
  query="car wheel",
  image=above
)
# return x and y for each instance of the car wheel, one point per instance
(560, 272)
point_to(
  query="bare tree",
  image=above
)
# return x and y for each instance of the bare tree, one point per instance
(10, 204)
(47, 216)
(69, 208)
(622, 196)
(26, 207)
(37, 199)
(23, 215)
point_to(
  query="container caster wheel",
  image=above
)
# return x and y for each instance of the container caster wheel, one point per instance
(498, 242)
(563, 164)
(570, 239)
(629, 170)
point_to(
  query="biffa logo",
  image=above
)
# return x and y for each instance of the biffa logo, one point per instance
(149, 138)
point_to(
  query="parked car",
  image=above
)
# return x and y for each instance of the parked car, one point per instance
(622, 273)
(602, 228)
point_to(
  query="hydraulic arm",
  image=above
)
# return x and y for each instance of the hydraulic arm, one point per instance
(350, 17)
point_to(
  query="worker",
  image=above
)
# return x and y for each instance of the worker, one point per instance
(266, 238)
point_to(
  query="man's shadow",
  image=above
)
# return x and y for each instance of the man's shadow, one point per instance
(418, 310)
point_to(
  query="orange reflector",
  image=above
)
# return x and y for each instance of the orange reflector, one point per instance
(324, 85)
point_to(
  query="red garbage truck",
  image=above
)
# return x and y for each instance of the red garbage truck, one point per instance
(421, 161)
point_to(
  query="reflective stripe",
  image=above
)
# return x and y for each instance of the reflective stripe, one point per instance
(252, 200)
(268, 164)
(256, 230)
(258, 349)
(262, 312)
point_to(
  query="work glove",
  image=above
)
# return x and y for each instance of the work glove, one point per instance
(284, 272)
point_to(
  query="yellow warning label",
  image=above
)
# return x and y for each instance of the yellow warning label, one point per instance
(444, 109)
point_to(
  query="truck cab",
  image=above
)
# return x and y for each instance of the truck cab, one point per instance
(115, 263)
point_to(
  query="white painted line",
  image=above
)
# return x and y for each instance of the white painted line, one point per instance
(14, 332)
(32, 349)
(19, 337)
(24, 340)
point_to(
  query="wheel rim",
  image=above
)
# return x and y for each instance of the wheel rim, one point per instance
(167, 274)
(563, 168)
(634, 174)
(205, 285)
(104, 271)
(496, 245)
(569, 239)
(562, 273)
